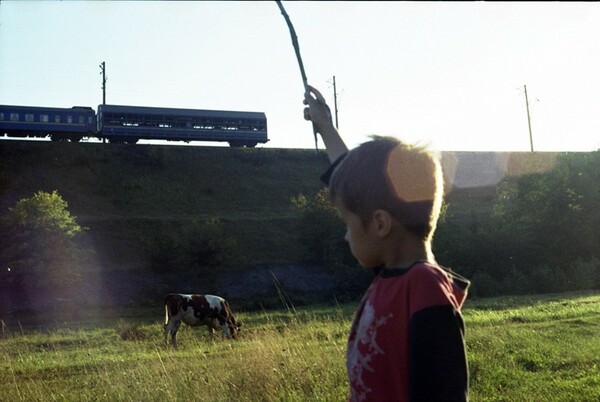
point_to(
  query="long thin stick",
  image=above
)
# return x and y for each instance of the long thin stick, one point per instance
(297, 50)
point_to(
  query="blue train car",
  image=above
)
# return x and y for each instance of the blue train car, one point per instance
(60, 124)
(128, 124)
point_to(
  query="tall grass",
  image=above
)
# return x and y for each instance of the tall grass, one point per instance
(543, 348)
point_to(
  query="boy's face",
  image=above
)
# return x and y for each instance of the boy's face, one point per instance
(362, 239)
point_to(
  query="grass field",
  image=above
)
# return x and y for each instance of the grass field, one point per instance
(542, 348)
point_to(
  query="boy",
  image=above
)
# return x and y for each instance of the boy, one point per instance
(406, 342)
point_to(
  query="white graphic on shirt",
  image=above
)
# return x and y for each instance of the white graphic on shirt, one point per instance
(363, 349)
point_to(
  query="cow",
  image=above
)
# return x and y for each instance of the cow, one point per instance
(196, 310)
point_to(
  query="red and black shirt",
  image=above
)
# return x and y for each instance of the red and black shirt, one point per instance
(407, 338)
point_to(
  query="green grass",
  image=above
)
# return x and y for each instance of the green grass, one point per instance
(544, 348)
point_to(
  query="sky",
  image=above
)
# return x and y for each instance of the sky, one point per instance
(449, 75)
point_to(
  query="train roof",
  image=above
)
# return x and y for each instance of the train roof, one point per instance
(44, 108)
(178, 112)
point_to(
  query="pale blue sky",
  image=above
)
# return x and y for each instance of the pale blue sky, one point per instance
(446, 74)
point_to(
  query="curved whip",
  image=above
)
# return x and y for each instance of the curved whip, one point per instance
(297, 50)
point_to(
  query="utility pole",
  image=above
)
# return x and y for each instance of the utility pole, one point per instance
(528, 119)
(103, 72)
(335, 103)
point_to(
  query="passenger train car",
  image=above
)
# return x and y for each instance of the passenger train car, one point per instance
(60, 124)
(129, 124)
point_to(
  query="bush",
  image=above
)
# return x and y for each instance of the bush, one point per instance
(546, 279)
(320, 230)
(584, 275)
(516, 283)
(484, 285)
(205, 244)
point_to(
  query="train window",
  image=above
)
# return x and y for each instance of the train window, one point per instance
(69, 119)
(44, 118)
(81, 119)
(28, 116)
(57, 118)
(1, 116)
(89, 119)
(14, 117)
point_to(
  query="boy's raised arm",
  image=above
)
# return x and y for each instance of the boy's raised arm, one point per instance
(319, 113)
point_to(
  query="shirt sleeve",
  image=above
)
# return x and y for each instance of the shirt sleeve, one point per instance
(325, 177)
(438, 364)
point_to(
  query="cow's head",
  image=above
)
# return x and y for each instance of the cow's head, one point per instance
(234, 327)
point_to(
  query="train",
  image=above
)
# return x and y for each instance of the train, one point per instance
(129, 124)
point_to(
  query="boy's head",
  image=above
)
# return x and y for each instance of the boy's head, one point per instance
(384, 173)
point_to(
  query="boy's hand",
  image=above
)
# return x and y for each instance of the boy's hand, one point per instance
(317, 111)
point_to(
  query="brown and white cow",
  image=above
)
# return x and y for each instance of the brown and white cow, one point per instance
(196, 310)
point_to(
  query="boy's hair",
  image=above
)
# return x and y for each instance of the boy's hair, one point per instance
(402, 179)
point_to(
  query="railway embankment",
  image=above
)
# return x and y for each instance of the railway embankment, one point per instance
(144, 209)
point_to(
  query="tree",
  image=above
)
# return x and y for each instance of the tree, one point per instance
(554, 215)
(541, 235)
(546, 224)
(40, 247)
(45, 213)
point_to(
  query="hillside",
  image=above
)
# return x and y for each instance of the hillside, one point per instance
(117, 187)
(132, 197)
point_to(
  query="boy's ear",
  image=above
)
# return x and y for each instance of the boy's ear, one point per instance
(383, 222)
